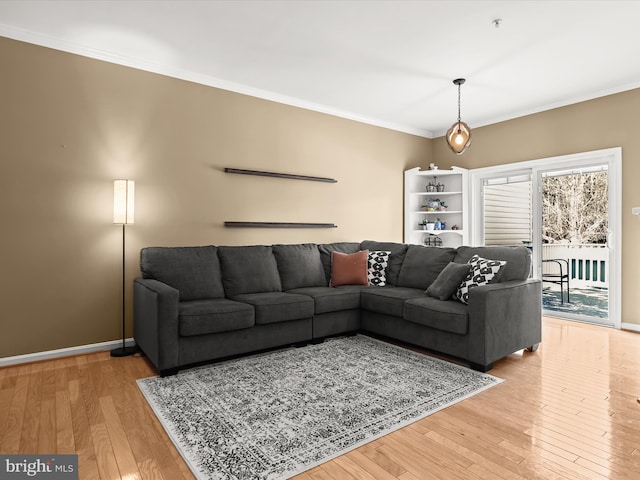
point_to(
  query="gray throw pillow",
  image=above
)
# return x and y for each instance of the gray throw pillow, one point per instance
(446, 284)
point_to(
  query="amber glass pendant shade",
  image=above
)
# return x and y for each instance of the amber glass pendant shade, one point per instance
(459, 137)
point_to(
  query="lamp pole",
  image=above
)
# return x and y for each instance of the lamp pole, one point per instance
(123, 203)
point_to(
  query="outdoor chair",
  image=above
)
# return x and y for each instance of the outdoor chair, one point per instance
(561, 277)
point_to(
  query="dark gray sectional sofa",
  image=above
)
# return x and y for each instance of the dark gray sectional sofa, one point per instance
(197, 304)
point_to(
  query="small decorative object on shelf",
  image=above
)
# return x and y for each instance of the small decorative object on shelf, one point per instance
(432, 241)
(434, 205)
(440, 187)
(431, 187)
(455, 227)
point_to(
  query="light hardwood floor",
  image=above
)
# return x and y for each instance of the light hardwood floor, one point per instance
(568, 410)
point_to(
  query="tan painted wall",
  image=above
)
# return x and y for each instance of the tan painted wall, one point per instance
(70, 125)
(605, 122)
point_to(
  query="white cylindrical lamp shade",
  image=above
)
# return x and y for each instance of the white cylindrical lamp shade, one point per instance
(123, 201)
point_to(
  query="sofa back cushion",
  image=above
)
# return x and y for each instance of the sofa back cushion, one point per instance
(422, 265)
(518, 260)
(249, 269)
(299, 266)
(193, 271)
(325, 254)
(398, 252)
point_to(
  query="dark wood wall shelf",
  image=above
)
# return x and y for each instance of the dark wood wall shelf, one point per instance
(280, 175)
(278, 225)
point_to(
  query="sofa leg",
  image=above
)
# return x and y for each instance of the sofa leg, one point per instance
(168, 372)
(533, 347)
(480, 368)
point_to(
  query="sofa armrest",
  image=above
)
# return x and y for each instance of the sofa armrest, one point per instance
(503, 318)
(155, 327)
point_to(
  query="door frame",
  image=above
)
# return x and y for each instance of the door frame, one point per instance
(610, 156)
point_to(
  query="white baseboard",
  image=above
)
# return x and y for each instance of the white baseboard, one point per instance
(64, 352)
(634, 327)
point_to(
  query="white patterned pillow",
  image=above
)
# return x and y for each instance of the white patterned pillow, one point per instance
(482, 272)
(377, 267)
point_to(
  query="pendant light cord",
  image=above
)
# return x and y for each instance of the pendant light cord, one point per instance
(459, 109)
(458, 104)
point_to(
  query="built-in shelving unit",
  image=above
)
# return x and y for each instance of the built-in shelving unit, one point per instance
(453, 193)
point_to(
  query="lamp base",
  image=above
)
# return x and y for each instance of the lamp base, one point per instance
(123, 351)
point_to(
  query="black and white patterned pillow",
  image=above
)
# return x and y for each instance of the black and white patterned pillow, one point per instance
(377, 268)
(482, 272)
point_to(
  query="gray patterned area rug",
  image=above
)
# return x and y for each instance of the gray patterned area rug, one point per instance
(275, 415)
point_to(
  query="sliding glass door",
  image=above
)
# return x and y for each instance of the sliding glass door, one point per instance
(575, 248)
(565, 210)
(508, 210)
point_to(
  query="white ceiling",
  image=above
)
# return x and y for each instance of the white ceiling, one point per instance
(388, 63)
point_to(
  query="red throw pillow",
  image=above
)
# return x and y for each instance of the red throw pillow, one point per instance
(349, 269)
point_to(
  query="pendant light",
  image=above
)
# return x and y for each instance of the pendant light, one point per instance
(459, 135)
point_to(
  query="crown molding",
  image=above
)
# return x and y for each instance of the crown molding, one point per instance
(183, 74)
(545, 108)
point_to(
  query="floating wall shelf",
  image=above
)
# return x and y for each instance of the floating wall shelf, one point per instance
(280, 175)
(278, 225)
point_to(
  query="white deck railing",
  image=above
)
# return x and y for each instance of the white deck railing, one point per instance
(588, 263)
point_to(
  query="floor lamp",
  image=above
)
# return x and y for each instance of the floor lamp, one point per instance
(123, 198)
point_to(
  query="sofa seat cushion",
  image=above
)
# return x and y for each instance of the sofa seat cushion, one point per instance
(388, 300)
(450, 316)
(201, 317)
(333, 299)
(274, 307)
